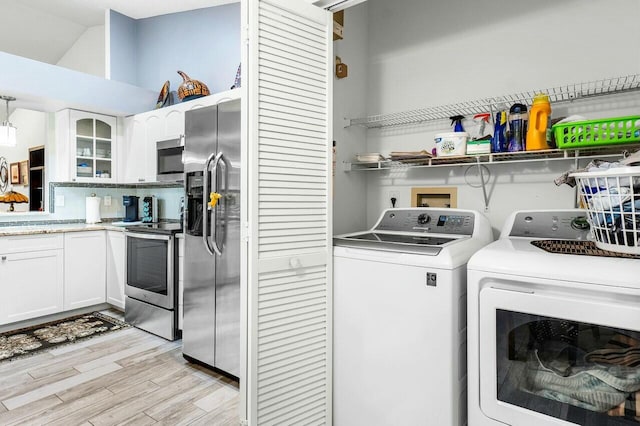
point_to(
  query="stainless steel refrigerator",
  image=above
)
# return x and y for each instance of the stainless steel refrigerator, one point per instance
(211, 300)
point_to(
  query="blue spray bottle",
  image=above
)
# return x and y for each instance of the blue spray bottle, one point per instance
(456, 122)
(499, 138)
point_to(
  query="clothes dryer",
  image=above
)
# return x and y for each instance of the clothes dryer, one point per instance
(553, 327)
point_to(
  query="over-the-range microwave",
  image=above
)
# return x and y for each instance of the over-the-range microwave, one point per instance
(169, 155)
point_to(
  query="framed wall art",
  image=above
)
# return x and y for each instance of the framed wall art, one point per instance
(14, 172)
(24, 172)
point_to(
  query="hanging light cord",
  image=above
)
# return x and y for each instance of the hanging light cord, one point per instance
(7, 99)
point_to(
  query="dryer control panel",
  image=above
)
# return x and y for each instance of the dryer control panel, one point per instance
(427, 220)
(564, 225)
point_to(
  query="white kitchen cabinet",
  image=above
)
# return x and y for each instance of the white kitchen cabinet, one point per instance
(138, 156)
(31, 267)
(174, 124)
(116, 262)
(143, 131)
(84, 269)
(86, 147)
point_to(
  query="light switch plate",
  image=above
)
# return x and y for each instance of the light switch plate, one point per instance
(107, 200)
(59, 200)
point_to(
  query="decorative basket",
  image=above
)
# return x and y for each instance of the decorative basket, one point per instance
(612, 200)
(609, 131)
(191, 89)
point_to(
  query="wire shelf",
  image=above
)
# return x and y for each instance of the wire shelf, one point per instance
(621, 150)
(567, 93)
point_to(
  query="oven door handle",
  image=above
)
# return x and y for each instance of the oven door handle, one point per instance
(147, 236)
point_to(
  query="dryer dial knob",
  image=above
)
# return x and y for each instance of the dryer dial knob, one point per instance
(424, 219)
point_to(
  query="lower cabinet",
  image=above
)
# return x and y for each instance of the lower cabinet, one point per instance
(115, 268)
(32, 284)
(84, 269)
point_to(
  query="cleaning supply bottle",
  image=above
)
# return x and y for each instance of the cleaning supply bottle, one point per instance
(499, 138)
(482, 119)
(517, 127)
(456, 122)
(538, 119)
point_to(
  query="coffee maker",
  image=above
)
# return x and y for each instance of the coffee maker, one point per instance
(130, 203)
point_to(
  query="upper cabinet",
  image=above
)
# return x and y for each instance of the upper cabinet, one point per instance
(138, 155)
(86, 147)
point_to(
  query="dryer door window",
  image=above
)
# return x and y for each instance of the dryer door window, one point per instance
(564, 366)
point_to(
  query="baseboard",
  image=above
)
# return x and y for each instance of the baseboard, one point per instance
(53, 317)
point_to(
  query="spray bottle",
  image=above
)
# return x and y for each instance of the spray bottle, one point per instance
(482, 119)
(456, 122)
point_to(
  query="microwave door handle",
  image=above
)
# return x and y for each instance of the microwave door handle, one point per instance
(214, 172)
(205, 204)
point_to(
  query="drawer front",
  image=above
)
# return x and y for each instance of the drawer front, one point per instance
(26, 243)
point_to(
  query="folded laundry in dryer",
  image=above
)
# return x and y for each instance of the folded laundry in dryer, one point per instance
(593, 387)
(629, 408)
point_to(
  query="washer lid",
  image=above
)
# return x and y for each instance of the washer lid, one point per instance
(406, 243)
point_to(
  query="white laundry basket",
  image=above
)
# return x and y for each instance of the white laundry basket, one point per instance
(612, 200)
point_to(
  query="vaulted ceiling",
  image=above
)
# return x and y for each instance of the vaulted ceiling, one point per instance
(44, 30)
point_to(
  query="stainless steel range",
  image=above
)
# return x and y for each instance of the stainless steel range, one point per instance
(151, 278)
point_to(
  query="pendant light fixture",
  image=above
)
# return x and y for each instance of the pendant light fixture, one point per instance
(7, 130)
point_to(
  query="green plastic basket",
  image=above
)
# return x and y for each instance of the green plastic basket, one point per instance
(607, 131)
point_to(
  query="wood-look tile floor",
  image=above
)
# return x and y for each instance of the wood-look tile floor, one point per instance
(127, 377)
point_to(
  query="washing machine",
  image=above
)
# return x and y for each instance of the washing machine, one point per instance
(553, 327)
(399, 326)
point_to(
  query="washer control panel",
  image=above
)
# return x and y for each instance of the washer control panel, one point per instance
(563, 225)
(436, 221)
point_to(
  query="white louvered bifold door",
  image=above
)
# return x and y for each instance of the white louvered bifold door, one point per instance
(289, 88)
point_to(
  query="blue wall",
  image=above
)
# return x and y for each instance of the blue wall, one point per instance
(204, 43)
(122, 32)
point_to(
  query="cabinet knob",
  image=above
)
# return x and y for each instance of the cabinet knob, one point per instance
(140, 180)
(4, 258)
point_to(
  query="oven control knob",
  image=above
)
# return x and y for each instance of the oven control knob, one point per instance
(423, 219)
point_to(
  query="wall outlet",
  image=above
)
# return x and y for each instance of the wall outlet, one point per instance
(59, 200)
(393, 199)
(107, 200)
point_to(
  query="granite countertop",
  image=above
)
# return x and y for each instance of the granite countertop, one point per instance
(55, 228)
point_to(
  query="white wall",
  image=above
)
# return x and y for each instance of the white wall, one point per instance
(31, 131)
(428, 53)
(87, 53)
(350, 191)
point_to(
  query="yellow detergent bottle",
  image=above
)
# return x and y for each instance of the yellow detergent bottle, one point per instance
(538, 119)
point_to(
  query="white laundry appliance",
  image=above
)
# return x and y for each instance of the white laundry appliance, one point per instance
(553, 327)
(399, 305)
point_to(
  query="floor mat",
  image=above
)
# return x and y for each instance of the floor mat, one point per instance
(31, 340)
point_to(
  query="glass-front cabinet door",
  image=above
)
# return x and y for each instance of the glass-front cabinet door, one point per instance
(93, 138)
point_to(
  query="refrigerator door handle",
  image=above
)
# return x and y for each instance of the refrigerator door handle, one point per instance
(214, 172)
(205, 204)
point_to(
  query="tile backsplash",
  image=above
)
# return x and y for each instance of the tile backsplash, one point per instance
(68, 200)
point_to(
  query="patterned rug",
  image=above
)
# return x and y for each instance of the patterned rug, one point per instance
(31, 340)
